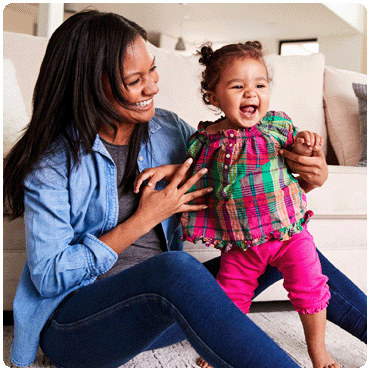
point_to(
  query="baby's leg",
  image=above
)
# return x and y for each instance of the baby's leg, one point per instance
(299, 263)
(239, 273)
(314, 330)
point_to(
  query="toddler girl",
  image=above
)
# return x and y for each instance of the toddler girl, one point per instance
(256, 214)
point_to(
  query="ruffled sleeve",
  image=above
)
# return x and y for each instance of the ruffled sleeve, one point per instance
(280, 127)
(196, 144)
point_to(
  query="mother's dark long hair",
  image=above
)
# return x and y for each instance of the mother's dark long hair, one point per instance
(69, 101)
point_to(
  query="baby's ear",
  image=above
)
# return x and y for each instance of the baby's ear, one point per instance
(213, 99)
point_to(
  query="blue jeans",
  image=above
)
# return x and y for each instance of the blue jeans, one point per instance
(347, 306)
(166, 299)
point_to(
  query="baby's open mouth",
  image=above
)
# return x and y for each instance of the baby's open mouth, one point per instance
(248, 110)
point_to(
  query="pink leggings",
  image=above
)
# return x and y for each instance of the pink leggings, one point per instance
(296, 259)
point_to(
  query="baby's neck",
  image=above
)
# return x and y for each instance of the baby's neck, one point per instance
(222, 125)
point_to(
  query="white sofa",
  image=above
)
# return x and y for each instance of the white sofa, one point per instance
(300, 86)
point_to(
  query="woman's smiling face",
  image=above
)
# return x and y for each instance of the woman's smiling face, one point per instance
(141, 77)
(242, 93)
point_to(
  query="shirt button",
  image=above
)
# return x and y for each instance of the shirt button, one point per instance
(231, 135)
(230, 145)
(228, 155)
(141, 158)
(225, 167)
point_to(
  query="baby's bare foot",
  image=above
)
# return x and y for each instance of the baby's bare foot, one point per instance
(322, 359)
(202, 363)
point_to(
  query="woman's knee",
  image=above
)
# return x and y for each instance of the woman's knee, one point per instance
(181, 269)
(180, 263)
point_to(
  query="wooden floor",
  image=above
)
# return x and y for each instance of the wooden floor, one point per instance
(276, 318)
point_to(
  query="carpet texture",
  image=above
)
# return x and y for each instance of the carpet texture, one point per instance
(283, 327)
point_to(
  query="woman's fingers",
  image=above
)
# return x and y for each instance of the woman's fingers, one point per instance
(174, 198)
(193, 208)
(191, 196)
(196, 194)
(158, 176)
(145, 175)
(303, 160)
(296, 158)
(180, 174)
(192, 180)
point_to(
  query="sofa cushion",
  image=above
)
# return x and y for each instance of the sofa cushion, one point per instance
(15, 117)
(297, 89)
(361, 93)
(179, 86)
(341, 110)
(26, 52)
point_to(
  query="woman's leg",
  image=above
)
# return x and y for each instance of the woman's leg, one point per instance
(174, 334)
(348, 304)
(109, 322)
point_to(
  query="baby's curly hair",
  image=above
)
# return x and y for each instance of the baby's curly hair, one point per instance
(215, 61)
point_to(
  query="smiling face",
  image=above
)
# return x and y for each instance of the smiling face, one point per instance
(242, 93)
(141, 77)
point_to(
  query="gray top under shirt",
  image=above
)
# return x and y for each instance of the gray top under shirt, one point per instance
(147, 245)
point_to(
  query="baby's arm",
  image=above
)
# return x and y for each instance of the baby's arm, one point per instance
(305, 142)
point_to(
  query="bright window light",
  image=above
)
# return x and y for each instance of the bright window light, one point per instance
(298, 47)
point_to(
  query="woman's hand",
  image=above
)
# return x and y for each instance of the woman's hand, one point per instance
(312, 171)
(157, 205)
(155, 174)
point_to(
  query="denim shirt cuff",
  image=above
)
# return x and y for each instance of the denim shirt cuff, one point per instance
(100, 257)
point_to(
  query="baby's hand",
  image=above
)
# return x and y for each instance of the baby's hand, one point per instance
(305, 142)
(155, 174)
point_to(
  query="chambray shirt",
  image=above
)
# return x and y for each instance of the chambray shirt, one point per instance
(67, 208)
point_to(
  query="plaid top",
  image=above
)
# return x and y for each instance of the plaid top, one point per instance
(255, 197)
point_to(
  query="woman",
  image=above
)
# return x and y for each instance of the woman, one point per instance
(97, 289)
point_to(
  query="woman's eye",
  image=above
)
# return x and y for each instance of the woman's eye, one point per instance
(153, 69)
(134, 82)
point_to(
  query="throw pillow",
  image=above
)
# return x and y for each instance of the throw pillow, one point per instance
(361, 93)
(341, 112)
(15, 117)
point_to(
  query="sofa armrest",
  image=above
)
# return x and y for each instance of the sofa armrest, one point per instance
(343, 195)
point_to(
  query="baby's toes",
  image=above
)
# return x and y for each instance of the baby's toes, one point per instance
(333, 366)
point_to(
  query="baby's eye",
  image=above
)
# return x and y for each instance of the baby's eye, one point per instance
(237, 87)
(261, 86)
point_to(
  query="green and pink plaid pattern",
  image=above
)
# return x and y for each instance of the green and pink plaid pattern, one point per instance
(255, 197)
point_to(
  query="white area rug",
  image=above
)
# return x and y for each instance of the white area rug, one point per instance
(283, 327)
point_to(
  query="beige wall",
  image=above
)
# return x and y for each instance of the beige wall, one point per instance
(364, 49)
(21, 18)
